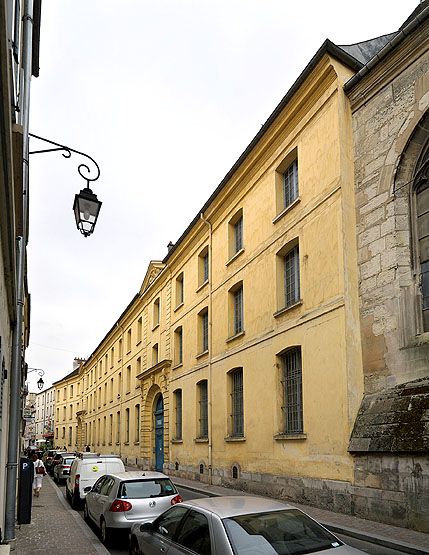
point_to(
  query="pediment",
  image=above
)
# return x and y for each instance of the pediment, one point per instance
(154, 269)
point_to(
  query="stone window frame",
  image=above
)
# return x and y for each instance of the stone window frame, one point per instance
(411, 322)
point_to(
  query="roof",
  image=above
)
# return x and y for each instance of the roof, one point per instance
(364, 51)
(71, 375)
(235, 505)
(138, 475)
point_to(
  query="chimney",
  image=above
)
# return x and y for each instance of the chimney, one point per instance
(170, 246)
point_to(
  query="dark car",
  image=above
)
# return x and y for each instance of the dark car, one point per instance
(48, 457)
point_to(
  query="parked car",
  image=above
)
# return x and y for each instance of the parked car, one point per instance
(56, 459)
(235, 525)
(118, 500)
(62, 468)
(48, 457)
(85, 471)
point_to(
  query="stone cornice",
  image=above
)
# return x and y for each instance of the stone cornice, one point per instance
(163, 364)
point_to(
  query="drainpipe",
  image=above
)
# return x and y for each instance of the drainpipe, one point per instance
(17, 344)
(209, 387)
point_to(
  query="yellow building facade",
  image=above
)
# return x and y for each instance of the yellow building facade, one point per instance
(239, 360)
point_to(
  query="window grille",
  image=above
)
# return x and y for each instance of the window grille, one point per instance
(290, 184)
(205, 330)
(422, 206)
(206, 267)
(293, 392)
(291, 277)
(204, 427)
(237, 403)
(238, 310)
(238, 234)
(178, 395)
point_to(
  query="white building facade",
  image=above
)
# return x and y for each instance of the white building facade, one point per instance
(45, 411)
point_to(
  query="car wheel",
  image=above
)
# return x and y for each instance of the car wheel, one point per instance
(85, 512)
(75, 502)
(105, 532)
(134, 547)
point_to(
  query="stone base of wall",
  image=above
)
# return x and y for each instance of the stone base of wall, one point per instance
(392, 490)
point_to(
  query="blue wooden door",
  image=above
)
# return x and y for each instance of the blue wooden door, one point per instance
(159, 435)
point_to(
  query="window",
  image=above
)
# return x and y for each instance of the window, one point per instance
(137, 424)
(120, 350)
(179, 290)
(235, 234)
(422, 237)
(194, 533)
(129, 340)
(168, 523)
(111, 390)
(110, 429)
(70, 435)
(71, 412)
(118, 427)
(236, 309)
(286, 179)
(203, 266)
(105, 393)
(99, 397)
(119, 384)
(139, 366)
(237, 417)
(139, 330)
(178, 345)
(65, 394)
(98, 431)
(155, 354)
(100, 373)
(292, 384)
(203, 431)
(127, 425)
(178, 413)
(63, 434)
(128, 386)
(290, 184)
(156, 312)
(112, 356)
(71, 392)
(203, 340)
(106, 358)
(291, 277)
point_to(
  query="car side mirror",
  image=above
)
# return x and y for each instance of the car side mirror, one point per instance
(146, 527)
(87, 489)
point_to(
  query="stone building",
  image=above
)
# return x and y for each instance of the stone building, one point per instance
(389, 99)
(239, 361)
(45, 413)
(68, 405)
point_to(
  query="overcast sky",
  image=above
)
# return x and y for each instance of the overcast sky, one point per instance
(165, 95)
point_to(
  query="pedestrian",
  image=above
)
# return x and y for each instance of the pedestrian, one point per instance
(39, 472)
(87, 448)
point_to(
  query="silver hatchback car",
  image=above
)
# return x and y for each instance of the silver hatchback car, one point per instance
(117, 501)
(235, 525)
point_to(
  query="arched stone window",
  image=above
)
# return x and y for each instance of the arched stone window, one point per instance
(421, 233)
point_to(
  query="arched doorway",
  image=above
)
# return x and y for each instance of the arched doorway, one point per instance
(159, 434)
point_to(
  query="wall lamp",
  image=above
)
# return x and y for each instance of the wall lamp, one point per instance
(86, 206)
(40, 382)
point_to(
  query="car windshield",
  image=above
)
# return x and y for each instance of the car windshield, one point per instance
(68, 461)
(144, 489)
(286, 532)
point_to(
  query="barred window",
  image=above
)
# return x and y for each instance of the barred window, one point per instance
(292, 382)
(238, 234)
(290, 184)
(178, 345)
(291, 276)
(206, 267)
(205, 330)
(178, 413)
(237, 416)
(238, 310)
(203, 395)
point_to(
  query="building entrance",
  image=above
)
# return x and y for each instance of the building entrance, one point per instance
(159, 434)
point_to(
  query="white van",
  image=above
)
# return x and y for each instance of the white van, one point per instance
(85, 471)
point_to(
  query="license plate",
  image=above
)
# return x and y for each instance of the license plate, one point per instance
(66, 472)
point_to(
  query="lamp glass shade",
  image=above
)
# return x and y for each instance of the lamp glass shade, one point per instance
(86, 208)
(40, 383)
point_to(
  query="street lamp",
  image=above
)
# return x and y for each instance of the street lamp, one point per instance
(40, 382)
(86, 206)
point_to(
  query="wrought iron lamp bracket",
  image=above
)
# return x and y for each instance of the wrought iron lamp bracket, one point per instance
(67, 154)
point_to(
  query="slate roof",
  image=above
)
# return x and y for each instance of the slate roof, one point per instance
(364, 51)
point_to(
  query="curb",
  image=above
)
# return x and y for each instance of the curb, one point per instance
(345, 531)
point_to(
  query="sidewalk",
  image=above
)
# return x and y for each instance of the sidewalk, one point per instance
(56, 528)
(388, 536)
